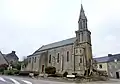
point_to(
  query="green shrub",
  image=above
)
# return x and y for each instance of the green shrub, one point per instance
(24, 73)
(16, 65)
(8, 72)
(65, 74)
(50, 70)
(3, 67)
(16, 72)
(55, 75)
(11, 72)
(36, 73)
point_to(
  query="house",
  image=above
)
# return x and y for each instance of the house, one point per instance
(11, 57)
(102, 63)
(114, 66)
(111, 64)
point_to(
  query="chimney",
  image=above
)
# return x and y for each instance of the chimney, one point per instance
(110, 55)
(13, 52)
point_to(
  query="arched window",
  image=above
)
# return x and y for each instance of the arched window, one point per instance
(84, 24)
(49, 58)
(80, 60)
(58, 58)
(32, 59)
(82, 36)
(81, 24)
(79, 37)
(29, 60)
(35, 59)
(67, 56)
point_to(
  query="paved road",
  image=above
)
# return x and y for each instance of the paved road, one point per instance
(25, 80)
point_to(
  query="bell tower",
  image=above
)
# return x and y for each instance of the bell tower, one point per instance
(82, 46)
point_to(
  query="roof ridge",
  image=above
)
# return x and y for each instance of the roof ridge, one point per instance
(59, 41)
(101, 57)
(116, 54)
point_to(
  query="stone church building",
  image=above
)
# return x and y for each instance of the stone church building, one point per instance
(73, 55)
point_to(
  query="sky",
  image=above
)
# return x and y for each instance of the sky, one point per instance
(26, 25)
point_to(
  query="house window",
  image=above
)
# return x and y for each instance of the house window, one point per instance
(58, 58)
(35, 59)
(80, 60)
(50, 59)
(67, 56)
(29, 60)
(100, 66)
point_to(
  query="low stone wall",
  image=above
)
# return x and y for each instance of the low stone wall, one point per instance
(77, 80)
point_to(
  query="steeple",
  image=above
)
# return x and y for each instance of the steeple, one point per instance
(82, 22)
(82, 14)
(83, 56)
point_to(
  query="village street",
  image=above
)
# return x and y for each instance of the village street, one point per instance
(26, 80)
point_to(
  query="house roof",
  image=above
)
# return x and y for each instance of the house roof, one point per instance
(102, 59)
(11, 56)
(110, 58)
(113, 57)
(4, 57)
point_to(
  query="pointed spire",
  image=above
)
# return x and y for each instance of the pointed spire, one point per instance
(82, 14)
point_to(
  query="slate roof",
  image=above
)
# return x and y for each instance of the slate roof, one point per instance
(102, 59)
(11, 56)
(54, 45)
(4, 58)
(110, 58)
(57, 44)
(113, 57)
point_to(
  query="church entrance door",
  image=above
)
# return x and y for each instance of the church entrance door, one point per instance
(42, 68)
(117, 75)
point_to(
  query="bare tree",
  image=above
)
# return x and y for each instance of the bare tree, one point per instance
(24, 62)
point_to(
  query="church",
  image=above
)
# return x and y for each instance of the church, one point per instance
(73, 55)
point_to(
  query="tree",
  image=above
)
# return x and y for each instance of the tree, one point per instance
(17, 65)
(50, 70)
(24, 62)
(3, 67)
